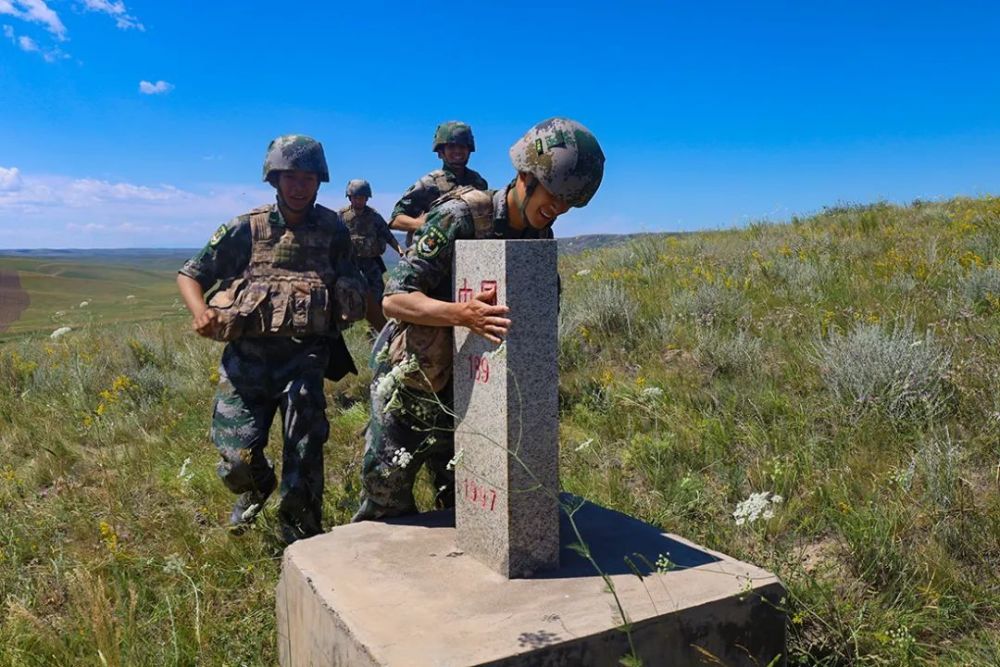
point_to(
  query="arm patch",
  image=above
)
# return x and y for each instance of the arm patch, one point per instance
(431, 242)
(217, 237)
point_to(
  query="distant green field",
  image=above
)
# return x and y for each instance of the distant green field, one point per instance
(121, 286)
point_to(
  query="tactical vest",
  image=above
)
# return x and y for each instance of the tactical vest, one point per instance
(432, 346)
(286, 288)
(364, 232)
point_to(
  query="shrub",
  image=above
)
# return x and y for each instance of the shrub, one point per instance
(709, 304)
(895, 372)
(606, 308)
(729, 355)
(979, 286)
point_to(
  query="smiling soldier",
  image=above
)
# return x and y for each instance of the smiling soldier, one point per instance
(289, 283)
(559, 165)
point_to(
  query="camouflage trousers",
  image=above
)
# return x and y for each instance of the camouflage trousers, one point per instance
(407, 429)
(372, 271)
(259, 377)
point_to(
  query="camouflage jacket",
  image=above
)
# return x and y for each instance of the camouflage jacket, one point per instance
(419, 197)
(427, 268)
(227, 256)
(369, 233)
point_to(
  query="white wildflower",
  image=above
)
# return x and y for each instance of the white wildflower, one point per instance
(61, 331)
(500, 352)
(174, 564)
(130, 297)
(652, 392)
(758, 505)
(84, 304)
(664, 564)
(184, 475)
(583, 445)
(456, 459)
(402, 458)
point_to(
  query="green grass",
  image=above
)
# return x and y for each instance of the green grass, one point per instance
(847, 362)
(116, 289)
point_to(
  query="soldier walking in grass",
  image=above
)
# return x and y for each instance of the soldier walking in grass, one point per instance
(559, 165)
(454, 143)
(289, 281)
(370, 236)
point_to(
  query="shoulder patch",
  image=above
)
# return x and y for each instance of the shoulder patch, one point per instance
(431, 242)
(217, 237)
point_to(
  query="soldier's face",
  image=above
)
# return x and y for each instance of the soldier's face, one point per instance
(543, 208)
(358, 202)
(298, 188)
(457, 154)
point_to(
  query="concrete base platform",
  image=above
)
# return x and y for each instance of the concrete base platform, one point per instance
(401, 594)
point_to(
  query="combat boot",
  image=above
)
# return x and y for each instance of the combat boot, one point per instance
(372, 511)
(248, 505)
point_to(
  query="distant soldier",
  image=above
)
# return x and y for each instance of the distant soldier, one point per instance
(453, 142)
(370, 235)
(289, 282)
(559, 165)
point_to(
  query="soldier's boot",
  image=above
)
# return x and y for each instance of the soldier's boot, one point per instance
(248, 505)
(372, 511)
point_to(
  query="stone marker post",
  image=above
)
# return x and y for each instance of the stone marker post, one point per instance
(506, 400)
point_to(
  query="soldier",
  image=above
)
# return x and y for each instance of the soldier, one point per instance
(559, 165)
(370, 235)
(289, 282)
(453, 142)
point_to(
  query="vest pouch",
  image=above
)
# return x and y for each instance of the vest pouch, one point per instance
(224, 303)
(432, 346)
(252, 311)
(319, 310)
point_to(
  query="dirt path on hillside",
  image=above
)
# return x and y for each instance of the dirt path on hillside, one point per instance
(13, 298)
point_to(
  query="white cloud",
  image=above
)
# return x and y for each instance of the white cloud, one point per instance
(117, 10)
(159, 88)
(61, 211)
(10, 179)
(29, 45)
(35, 11)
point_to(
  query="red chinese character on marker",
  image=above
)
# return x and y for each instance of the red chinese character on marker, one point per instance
(489, 286)
(465, 293)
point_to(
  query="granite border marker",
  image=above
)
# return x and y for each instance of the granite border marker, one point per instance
(507, 403)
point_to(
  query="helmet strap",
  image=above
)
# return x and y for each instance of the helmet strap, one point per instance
(530, 185)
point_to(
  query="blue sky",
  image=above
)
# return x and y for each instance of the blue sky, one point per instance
(712, 114)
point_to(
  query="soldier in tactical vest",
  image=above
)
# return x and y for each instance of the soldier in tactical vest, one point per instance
(288, 283)
(370, 235)
(453, 142)
(559, 165)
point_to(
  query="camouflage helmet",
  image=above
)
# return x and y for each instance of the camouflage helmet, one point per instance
(565, 158)
(453, 132)
(359, 186)
(295, 151)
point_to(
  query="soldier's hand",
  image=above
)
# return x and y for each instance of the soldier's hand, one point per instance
(482, 316)
(206, 323)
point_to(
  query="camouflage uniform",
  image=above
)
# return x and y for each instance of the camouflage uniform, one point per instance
(263, 371)
(416, 421)
(418, 197)
(370, 235)
(412, 389)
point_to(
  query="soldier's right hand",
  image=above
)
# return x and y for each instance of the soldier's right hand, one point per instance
(484, 318)
(206, 323)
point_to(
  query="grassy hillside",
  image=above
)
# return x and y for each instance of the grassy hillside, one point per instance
(846, 363)
(116, 286)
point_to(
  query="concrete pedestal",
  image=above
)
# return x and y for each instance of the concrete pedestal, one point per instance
(400, 593)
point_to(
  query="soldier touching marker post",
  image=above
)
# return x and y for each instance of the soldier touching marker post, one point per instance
(559, 165)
